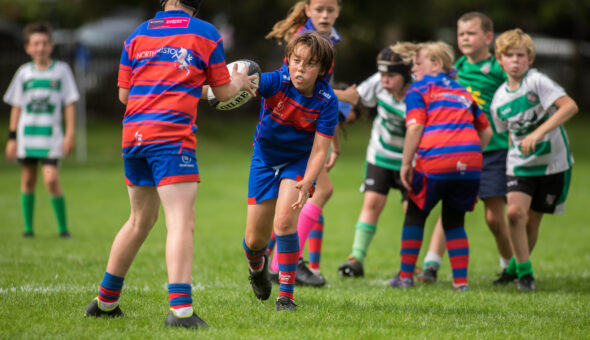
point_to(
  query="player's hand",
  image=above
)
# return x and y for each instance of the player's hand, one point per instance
(68, 145)
(351, 95)
(244, 80)
(11, 150)
(527, 146)
(303, 187)
(406, 174)
(332, 160)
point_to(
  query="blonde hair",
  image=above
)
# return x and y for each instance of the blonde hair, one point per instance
(441, 52)
(515, 38)
(286, 28)
(406, 50)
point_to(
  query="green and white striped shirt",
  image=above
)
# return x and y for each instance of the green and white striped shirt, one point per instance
(521, 112)
(41, 95)
(389, 127)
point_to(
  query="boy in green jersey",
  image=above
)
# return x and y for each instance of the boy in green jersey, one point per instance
(481, 74)
(42, 95)
(533, 109)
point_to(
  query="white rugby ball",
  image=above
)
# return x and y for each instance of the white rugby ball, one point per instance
(241, 97)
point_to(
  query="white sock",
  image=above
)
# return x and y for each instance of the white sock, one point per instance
(504, 262)
(432, 258)
(182, 312)
(107, 306)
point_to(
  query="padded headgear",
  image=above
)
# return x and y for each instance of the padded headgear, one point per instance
(388, 61)
(192, 4)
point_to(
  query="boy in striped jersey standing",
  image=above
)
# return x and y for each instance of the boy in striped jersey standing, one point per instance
(533, 109)
(39, 92)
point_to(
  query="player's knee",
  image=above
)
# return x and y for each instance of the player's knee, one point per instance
(495, 223)
(516, 214)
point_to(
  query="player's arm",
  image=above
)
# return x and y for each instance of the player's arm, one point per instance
(349, 95)
(566, 109)
(335, 150)
(123, 95)
(70, 134)
(411, 142)
(240, 81)
(316, 161)
(15, 112)
(485, 136)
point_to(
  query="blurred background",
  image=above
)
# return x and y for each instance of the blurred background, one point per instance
(89, 36)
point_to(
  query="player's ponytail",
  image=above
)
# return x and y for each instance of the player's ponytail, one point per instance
(286, 28)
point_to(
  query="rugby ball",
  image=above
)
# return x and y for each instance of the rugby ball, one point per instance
(241, 97)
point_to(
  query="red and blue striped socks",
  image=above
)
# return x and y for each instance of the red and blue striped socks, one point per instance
(181, 300)
(314, 245)
(458, 247)
(411, 243)
(110, 291)
(288, 256)
(255, 257)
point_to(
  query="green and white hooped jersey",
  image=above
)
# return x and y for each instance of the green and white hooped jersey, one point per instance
(521, 112)
(389, 127)
(41, 95)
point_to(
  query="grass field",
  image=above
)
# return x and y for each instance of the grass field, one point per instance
(46, 282)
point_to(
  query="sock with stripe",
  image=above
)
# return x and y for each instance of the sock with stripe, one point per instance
(411, 242)
(315, 245)
(27, 201)
(362, 239)
(110, 291)
(458, 247)
(288, 256)
(181, 300)
(59, 207)
(309, 215)
(511, 268)
(524, 268)
(432, 259)
(255, 257)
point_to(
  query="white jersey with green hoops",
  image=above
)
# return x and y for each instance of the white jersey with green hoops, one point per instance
(389, 127)
(521, 112)
(41, 95)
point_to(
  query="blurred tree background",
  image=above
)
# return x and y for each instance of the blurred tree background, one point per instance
(366, 27)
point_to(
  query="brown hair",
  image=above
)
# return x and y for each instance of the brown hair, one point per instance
(487, 25)
(515, 38)
(320, 50)
(36, 27)
(286, 28)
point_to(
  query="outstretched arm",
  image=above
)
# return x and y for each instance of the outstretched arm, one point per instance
(316, 161)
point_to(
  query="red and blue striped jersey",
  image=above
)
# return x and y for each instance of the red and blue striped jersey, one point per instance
(164, 64)
(450, 147)
(289, 121)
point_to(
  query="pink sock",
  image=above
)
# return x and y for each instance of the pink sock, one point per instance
(274, 264)
(307, 218)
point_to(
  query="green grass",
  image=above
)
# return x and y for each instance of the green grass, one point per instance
(46, 282)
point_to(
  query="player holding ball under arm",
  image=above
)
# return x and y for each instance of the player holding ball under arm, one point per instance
(170, 57)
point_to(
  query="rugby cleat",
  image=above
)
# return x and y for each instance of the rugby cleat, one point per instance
(284, 303)
(260, 281)
(351, 268)
(305, 277)
(94, 310)
(192, 321)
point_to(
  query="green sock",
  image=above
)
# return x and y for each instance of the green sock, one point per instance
(362, 239)
(27, 202)
(59, 206)
(511, 268)
(524, 268)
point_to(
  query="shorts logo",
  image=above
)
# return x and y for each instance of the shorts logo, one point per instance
(370, 181)
(512, 183)
(550, 199)
(187, 162)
